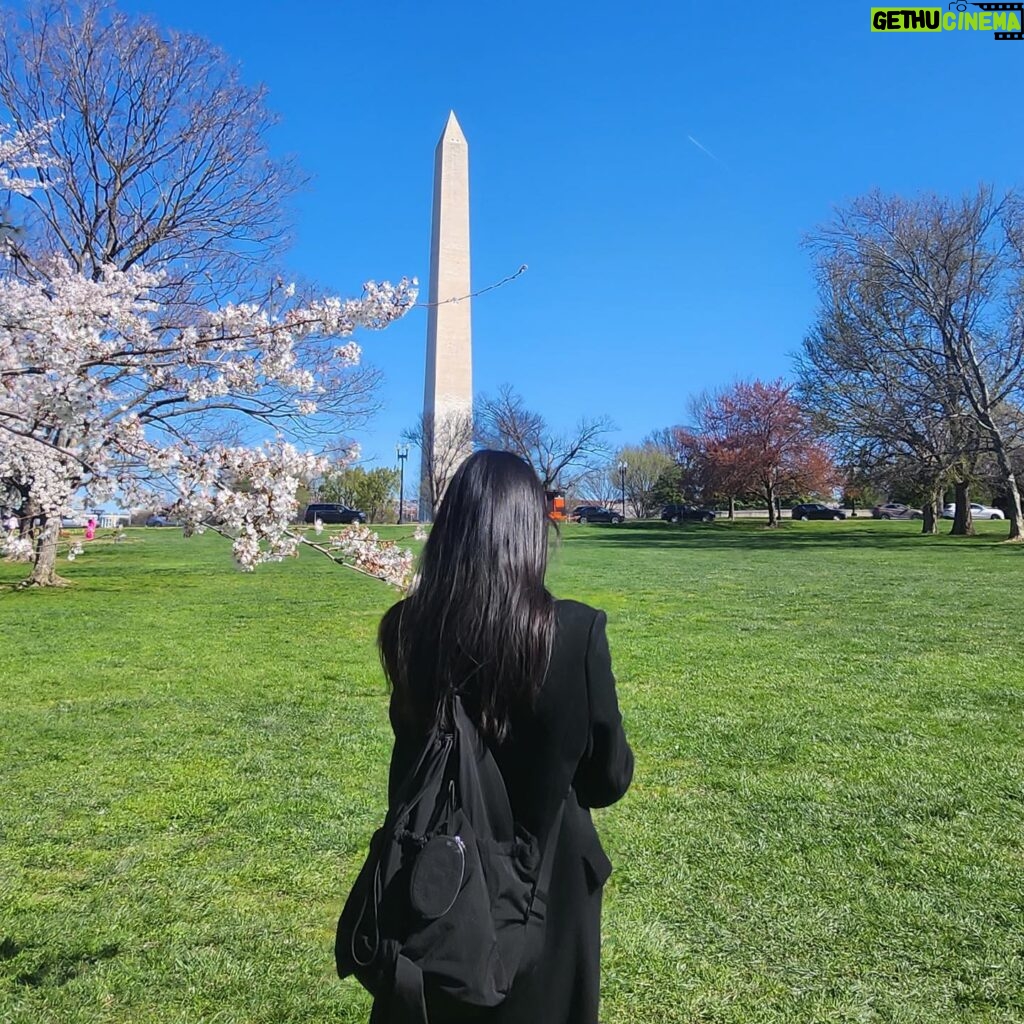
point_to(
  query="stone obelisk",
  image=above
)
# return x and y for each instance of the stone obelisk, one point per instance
(448, 387)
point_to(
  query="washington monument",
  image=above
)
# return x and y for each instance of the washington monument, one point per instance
(448, 386)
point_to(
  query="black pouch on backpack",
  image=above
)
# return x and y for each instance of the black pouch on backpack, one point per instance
(452, 896)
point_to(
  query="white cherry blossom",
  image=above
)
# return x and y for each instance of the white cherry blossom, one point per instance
(95, 390)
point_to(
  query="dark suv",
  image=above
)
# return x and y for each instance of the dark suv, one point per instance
(677, 513)
(594, 514)
(332, 513)
(815, 510)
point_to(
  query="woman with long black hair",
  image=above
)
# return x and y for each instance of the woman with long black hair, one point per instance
(535, 675)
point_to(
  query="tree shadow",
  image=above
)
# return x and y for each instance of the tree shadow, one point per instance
(53, 968)
(758, 536)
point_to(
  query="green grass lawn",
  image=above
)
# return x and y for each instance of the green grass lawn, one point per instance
(827, 821)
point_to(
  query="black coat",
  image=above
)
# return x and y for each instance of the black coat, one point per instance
(573, 735)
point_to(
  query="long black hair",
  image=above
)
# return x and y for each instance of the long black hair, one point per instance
(478, 619)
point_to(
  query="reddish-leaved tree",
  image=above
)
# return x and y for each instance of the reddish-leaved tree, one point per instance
(754, 438)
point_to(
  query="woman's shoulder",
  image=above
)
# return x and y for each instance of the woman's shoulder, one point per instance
(575, 615)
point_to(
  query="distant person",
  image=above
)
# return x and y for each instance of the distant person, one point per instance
(535, 675)
(90, 529)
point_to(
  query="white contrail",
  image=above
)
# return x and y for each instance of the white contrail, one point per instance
(704, 149)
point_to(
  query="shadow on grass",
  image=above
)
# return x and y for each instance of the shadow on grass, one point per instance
(758, 536)
(54, 968)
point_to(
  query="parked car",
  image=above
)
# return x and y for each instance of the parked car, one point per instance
(896, 510)
(594, 514)
(978, 511)
(329, 512)
(677, 513)
(815, 510)
(159, 520)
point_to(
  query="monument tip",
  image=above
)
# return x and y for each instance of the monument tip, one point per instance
(452, 126)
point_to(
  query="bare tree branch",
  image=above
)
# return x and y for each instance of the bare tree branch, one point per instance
(504, 423)
(919, 349)
(444, 443)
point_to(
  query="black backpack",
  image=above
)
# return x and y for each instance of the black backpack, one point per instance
(452, 897)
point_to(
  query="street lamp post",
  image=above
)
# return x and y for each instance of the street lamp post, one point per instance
(402, 451)
(623, 466)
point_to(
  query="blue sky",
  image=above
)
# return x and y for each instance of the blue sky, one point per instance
(656, 270)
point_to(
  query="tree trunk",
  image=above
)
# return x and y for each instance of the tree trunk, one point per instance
(1016, 525)
(732, 509)
(773, 519)
(1010, 478)
(931, 509)
(44, 572)
(963, 525)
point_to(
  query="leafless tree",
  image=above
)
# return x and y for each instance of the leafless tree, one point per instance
(885, 420)
(159, 150)
(664, 440)
(923, 307)
(559, 459)
(596, 486)
(444, 444)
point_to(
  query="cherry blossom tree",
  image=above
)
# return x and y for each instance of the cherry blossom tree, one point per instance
(94, 388)
(21, 150)
(143, 351)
